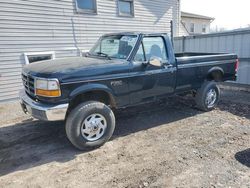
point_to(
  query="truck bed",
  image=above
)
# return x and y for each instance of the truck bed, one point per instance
(194, 68)
(191, 57)
(188, 54)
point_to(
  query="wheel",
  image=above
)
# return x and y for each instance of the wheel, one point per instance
(207, 96)
(90, 125)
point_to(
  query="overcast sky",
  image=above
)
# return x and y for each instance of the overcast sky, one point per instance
(229, 14)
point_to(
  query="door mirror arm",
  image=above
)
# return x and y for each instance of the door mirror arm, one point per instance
(145, 63)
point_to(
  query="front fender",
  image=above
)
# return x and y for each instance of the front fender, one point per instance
(91, 87)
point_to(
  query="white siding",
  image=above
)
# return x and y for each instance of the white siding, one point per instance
(182, 30)
(198, 25)
(52, 25)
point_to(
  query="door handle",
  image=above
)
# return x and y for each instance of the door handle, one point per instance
(168, 66)
(171, 67)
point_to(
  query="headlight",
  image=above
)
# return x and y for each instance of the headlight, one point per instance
(47, 87)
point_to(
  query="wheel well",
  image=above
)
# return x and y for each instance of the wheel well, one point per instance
(215, 75)
(96, 95)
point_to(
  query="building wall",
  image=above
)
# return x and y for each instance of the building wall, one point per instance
(182, 30)
(53, 25)
(198, 23)
(237, 42)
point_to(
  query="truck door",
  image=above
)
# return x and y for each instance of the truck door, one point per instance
(153, 76)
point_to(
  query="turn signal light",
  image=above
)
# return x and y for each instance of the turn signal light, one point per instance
(48, 93)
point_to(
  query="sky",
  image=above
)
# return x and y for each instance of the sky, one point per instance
(228, 14)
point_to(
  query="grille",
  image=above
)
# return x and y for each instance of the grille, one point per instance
(28, 82)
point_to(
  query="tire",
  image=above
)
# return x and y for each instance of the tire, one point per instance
(207, 97)
(82, 122)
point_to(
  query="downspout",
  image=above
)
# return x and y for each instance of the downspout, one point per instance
(172, 32)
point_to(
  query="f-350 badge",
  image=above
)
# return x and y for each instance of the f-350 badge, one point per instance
(116, 83)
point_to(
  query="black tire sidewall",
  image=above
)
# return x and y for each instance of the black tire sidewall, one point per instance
(78, 115)
(202, 94)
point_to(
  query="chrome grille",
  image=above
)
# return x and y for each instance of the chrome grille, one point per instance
(28, 82)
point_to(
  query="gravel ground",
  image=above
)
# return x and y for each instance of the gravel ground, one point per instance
(166, 144)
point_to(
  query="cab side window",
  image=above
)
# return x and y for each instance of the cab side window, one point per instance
(154, 47)
(151, 47)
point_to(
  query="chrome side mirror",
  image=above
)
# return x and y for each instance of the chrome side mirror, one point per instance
(155, 61)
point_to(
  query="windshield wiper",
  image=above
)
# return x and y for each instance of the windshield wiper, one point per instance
(104, 55)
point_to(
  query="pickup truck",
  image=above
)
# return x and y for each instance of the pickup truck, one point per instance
(121, 70)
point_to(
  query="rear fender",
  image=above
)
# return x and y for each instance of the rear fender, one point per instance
(217, 77)
(215, 69)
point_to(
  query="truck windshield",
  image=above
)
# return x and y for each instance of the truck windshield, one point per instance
(114, 46)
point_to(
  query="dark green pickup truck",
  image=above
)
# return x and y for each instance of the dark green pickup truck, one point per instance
(121, 70)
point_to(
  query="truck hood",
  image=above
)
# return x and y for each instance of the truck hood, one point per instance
(65, 65)
(76, 68)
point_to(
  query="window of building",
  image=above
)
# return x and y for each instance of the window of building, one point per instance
(38, 56)
(192, 27)
(126, 7)
(204, 28)
(86, 6)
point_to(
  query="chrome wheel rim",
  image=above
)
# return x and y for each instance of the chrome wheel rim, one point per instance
(211, 98)
(93, 127)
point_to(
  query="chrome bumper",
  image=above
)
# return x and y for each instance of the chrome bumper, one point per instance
(42, 111)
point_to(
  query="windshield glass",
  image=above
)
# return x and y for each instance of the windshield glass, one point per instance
(115, 46)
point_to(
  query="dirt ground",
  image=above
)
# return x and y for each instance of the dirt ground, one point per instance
(166, 144)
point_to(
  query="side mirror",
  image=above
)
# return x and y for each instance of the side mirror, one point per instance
(155, 61)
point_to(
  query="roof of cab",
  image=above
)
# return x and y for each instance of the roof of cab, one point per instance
(134, 33)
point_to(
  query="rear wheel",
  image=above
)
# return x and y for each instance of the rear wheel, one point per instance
(207, 96)
(90, 125)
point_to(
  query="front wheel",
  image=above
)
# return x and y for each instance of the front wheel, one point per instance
(207, 97)
(90, 125)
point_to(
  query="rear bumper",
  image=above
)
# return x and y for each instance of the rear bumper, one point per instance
(42, 111)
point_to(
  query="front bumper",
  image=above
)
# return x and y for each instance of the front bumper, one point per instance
(42, 111)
